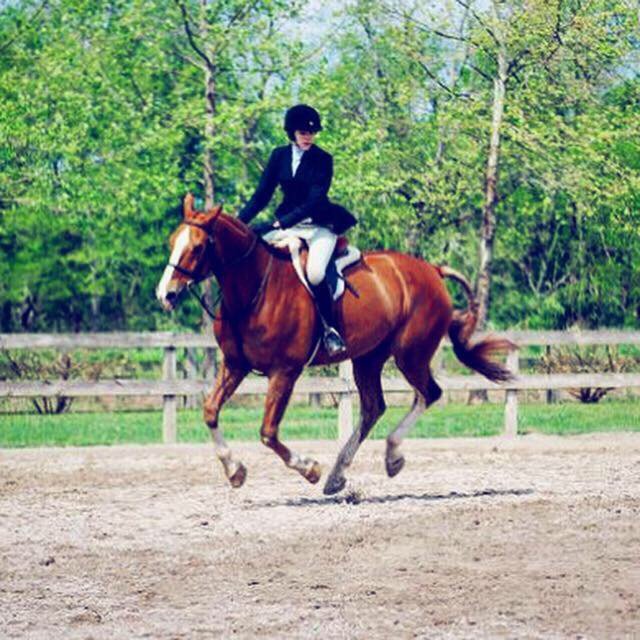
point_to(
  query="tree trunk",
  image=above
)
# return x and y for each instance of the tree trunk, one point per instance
(6, 320)
(491, 192)
(209, 158)
(95, 312)
(209, 132)
(488, 229)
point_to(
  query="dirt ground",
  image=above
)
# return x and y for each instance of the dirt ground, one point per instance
(537, 537)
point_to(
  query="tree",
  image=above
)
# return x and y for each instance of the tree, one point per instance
(102, 117)
(508, 130)
(520, 66)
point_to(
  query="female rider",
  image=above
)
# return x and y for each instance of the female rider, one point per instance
(304, 171)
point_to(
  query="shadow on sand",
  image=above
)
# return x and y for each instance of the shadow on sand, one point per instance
(354, 497)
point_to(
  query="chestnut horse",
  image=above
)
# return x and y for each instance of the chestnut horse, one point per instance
(268, 323)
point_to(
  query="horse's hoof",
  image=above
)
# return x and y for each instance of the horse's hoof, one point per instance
(394, 466)
(313, 474)
(334, 485)
(238, 478)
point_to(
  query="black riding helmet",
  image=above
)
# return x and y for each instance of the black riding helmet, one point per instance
(302, 117)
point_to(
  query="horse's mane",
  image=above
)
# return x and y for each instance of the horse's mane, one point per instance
(246, 230)
(236, 223)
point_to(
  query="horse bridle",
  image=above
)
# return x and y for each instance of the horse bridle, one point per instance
(197, 278)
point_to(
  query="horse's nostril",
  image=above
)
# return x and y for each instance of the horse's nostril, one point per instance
(171, 297)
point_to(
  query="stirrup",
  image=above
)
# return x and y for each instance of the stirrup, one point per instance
(333, 342)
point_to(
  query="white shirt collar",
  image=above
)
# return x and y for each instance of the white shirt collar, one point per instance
(296, 157)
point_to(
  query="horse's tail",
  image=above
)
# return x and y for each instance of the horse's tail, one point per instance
(463, 324)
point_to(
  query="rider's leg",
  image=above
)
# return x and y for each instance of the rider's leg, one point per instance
(321, 246)
(333, 342)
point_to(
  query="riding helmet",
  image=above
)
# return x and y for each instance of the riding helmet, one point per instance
(302, 117)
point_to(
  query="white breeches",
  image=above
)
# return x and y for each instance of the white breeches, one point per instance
(321, 243)
(321, 246)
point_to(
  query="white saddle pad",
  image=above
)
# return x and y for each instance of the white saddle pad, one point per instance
(294, 244)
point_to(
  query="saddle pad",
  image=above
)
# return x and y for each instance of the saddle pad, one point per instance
(335, 269)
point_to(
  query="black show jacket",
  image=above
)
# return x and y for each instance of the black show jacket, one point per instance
(305, 194)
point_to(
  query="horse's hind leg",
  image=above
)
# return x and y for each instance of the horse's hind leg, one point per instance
(366, 372)
(418, 373)
(226, 383)
(280, 387)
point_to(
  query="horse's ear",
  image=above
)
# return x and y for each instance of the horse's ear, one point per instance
(187, 207)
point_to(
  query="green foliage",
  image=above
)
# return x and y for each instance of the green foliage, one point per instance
(104, 127)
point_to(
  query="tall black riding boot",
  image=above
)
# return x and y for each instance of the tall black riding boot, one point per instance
(333, 342)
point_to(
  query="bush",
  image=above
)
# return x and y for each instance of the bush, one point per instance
(587, 360)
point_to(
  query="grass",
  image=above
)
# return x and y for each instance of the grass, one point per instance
(302, 422)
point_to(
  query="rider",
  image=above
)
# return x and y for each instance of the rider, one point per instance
(304, 171)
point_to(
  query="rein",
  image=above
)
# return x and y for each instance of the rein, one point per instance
(203, 302)
(197, 279)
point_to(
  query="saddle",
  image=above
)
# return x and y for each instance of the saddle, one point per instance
(344, 255)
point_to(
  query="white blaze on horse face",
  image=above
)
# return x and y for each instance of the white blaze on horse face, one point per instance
(182, 242)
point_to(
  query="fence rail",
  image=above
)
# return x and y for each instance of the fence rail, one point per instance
(170, 387)
(129, 339)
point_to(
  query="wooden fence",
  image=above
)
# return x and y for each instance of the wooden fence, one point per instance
(170, 387)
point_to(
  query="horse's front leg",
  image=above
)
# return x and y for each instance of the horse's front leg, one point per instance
(280, 387)
(227, 382)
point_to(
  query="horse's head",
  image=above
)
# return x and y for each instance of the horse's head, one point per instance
(190, 260)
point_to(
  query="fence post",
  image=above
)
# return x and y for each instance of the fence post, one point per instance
(511, 400)
(550, 394)
(191, 373)
(345, 404)
(169, 402)
(210, 365)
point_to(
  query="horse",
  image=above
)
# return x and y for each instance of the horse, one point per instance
(397, 305)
